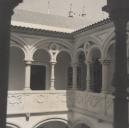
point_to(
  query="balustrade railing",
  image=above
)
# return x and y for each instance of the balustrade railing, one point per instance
(36, 101)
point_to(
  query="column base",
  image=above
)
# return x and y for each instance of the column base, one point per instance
(106, 92)
(52, 88)
(27, 89)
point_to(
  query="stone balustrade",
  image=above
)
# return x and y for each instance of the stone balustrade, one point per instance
(97, 105)
(20, 102)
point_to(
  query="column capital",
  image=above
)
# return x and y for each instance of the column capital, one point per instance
(53, 62)
(105, 61)
(88, 62)
(28, 62)
(74, 64)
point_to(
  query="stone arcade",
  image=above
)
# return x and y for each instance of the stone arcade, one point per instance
(61, 77)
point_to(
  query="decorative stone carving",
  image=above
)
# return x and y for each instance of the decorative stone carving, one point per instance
(41, 98)
(15, 99)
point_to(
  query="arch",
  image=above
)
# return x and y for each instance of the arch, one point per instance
(52, 120)
(93, 56)
(44, 49)
(20, 43)
(76, 54)
(84, 39)
(105, 50)
(11, 125)
(61, 70)
(107, 43)
(111, 66)
(40, 68)
(67, 51)
(81, 70)
(86, 122)
(46, 42)
(91, 50)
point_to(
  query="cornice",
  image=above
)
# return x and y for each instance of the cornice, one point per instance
(93, 26)
(41, 32)
(60, 34)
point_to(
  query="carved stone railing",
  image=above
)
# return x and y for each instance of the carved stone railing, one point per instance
(36, 101)
(94, 104)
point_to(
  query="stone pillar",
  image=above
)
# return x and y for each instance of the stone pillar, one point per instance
(54, 50)
(105, 68)
(88, 76)
(6, 11)
(75, 65)
(27, 74)
(52, 79)
(119, 13)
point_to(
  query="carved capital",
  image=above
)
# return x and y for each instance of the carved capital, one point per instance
(105, 62)
(28, 62)
(74, 64)
(88, 61)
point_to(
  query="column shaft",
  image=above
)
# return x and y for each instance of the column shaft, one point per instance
(52, 80)
(88, 76)
(27, 75)
(105, 68)
(74, 76)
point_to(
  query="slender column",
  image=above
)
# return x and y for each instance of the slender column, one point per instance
(6, 11)
(88, 76)
(119, 13)
(27, 74)
(105, 68)
(74, 76)
(52, 80)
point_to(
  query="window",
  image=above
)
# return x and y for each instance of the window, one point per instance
(38, 77)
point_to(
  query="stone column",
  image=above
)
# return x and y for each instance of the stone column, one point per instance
(119, 13)
(6, 11)
(54, 50)
(105, 68)
(88, 76)
(27, 74)
(74, 76)
(52, 79)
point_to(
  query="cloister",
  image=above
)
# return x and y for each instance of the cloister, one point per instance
(62, 78)
(88, 66)
(65, 76)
